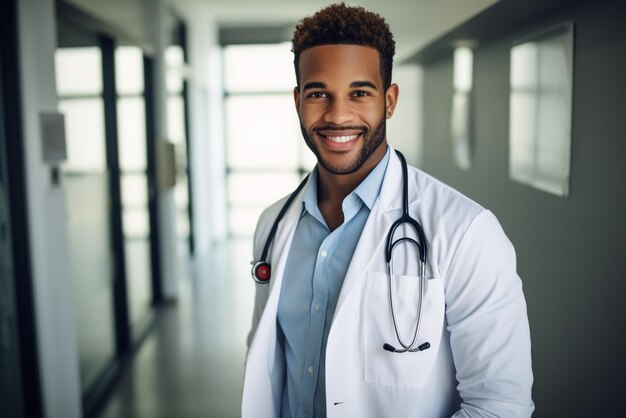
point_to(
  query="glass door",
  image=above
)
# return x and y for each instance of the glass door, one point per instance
(108, 181)
(86, 181)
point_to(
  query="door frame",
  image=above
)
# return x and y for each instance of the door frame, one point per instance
(10, 107)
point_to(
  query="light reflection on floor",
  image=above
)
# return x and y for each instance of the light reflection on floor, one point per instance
(191, 365)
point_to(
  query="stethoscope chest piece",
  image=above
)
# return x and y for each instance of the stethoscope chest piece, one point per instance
(261, 272)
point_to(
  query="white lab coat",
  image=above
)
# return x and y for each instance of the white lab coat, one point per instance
(474, 316)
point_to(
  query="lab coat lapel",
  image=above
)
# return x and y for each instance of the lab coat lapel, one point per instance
(263, 360)
(369, 252)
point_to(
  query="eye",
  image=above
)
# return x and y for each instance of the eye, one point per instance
(361, 93)
(317, 95)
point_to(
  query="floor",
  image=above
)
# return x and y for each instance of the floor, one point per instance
(191, 365)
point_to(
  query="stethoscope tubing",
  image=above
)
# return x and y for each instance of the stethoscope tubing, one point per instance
(265, 267)
(406, 218)
(420, 303)
(423, 254)
(420, 300)
(262, 264)
(283, 210)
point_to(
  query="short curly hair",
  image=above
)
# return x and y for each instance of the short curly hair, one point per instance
(341, 24)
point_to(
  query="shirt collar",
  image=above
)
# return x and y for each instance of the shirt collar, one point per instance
(368, 190)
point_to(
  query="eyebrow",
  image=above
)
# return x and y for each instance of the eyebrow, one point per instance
(314, 85)
(363, 84)
(320, 85)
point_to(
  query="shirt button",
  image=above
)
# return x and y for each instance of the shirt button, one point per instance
(324, 253)
(311, 369)
(317, 307)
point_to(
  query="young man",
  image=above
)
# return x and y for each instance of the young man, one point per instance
(334, 333)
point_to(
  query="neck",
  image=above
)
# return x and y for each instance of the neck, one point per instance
(333, 188)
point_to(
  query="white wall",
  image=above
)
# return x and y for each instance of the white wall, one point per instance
(200, 37)
(54, 310)
(207, 149)
(155, 24)
(217, 143)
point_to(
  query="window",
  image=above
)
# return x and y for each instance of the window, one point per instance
(132, 148)
(265, 153)
(541, 111)
(461, 111)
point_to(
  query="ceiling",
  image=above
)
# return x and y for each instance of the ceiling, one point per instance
(414, 23)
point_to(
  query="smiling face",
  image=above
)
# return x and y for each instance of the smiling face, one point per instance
(342, 107)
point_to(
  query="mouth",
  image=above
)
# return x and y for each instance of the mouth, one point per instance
(340, 137)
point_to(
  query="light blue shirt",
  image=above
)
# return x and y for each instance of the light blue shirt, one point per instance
(316, 266)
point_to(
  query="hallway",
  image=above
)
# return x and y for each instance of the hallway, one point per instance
(191, 364)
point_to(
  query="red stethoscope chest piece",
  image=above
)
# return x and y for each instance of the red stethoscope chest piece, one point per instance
(261, 272)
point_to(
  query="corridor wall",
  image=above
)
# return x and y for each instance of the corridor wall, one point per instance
(570, 249)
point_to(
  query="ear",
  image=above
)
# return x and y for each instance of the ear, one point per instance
(391, 99)
(296, 98)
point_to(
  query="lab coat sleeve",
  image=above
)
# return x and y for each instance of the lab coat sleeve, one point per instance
(488, 324)
(261, 290)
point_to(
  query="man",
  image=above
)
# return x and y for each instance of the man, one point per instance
(333, 335)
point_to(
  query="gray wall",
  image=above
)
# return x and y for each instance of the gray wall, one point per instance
(571, 253)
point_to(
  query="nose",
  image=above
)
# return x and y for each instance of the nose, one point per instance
(338, 112)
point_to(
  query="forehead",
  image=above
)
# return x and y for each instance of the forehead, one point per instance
(328, 63)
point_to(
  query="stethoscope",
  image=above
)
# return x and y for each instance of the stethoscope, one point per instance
(262, 270)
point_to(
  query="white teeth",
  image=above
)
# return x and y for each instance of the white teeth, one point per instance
(341, 139)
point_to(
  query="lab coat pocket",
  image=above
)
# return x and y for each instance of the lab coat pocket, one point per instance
(406, 370)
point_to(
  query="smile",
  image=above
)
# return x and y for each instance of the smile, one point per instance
(341, 139)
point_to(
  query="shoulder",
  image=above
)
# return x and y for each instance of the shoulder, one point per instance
(443, 200)
(272, 211)
(265, 222)
(450, 218)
